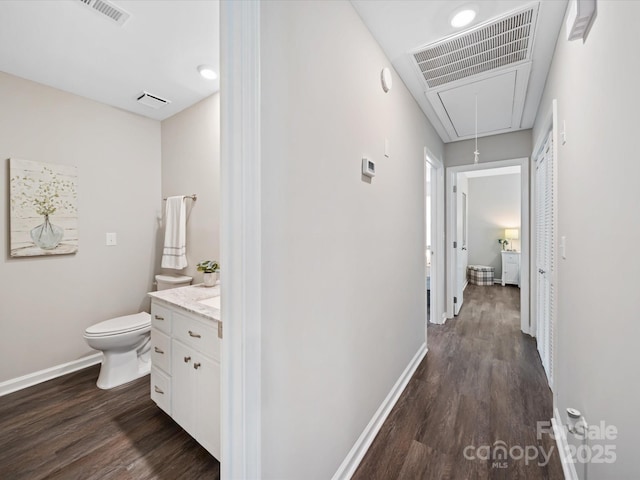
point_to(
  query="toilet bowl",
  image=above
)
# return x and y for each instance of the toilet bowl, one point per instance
(125, 345)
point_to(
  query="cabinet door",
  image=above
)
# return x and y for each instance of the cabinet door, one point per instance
(208, 404)
(196, 395)
(511, 273)
(183, 386)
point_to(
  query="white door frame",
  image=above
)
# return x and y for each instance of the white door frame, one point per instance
(438, 314)
(524, 230)
(240, 240)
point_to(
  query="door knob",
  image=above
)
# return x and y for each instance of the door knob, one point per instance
(187, 359)
(196, 365)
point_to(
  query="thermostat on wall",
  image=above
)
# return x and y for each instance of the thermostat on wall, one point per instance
(368, 167)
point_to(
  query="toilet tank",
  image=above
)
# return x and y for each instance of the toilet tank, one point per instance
(166, 282)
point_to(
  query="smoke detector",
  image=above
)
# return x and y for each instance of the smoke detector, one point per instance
(107, 10)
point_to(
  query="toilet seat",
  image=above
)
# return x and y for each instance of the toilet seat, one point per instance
(119, 325)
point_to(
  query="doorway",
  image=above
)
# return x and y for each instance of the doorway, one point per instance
(434, 239)
(458, 235)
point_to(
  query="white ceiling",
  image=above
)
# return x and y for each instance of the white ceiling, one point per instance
(507, 100)
(67, 45)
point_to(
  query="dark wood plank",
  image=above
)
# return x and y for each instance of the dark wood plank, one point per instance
(481, 383)
(67, 428)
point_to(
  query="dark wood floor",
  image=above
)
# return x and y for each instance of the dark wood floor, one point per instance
(481, 382)
(69, 429)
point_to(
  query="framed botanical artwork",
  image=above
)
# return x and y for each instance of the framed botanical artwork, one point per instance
(44, 213)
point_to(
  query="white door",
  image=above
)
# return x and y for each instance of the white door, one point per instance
(461, 205)
(545, 255)
(428, 252)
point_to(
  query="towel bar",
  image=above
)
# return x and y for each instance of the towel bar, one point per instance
(193, 197)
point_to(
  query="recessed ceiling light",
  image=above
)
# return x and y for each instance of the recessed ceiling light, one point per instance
(207, 72)
(463, 18)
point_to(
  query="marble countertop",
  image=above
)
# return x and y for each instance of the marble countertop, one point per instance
(189, 298)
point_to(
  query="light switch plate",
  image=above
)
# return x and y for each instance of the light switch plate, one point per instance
(112, 239)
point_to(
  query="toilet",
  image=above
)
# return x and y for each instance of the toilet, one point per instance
(166, 282)
(125, 345)
(125, 341)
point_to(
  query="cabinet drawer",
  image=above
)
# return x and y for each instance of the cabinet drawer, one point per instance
(161, 389)
(160, 350)
(513, 259)
(161, 317)
(197, 334)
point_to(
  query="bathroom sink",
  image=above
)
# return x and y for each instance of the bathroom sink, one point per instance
(211, 302)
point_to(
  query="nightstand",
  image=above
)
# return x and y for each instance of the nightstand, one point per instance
(510, 268)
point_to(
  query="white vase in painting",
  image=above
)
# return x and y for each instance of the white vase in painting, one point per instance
(210, 279)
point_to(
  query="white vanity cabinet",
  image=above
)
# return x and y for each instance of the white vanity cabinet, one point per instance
(510, 268)
(185, 372)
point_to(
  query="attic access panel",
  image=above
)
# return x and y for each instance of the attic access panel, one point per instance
(495, 105)
(449, 67)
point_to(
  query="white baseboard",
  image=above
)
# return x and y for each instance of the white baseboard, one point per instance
(359, 449)
(568, 466)
(15, 384)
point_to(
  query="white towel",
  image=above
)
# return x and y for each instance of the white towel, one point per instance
(174, 254)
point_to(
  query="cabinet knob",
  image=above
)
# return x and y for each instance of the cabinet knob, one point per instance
(194, 335)
(157, 350)
(187, 359)
(196, 365)
(158, 317)
(157, 390)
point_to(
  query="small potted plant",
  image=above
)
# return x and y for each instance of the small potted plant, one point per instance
(504, 242)
(210, 269)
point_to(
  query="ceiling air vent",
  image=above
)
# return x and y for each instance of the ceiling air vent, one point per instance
(153, 101)
(107, 10)
(501, 42)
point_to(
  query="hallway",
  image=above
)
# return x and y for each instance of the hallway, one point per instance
(480, 384)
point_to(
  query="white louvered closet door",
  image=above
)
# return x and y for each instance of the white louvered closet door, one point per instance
(545, 257)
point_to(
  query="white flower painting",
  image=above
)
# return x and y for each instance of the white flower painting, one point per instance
(44, 214)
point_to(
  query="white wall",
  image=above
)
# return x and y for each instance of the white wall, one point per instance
(596, 86)
(505, 146)
(47, 302)
(494, 204)
(343, 258)
(191, 164)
